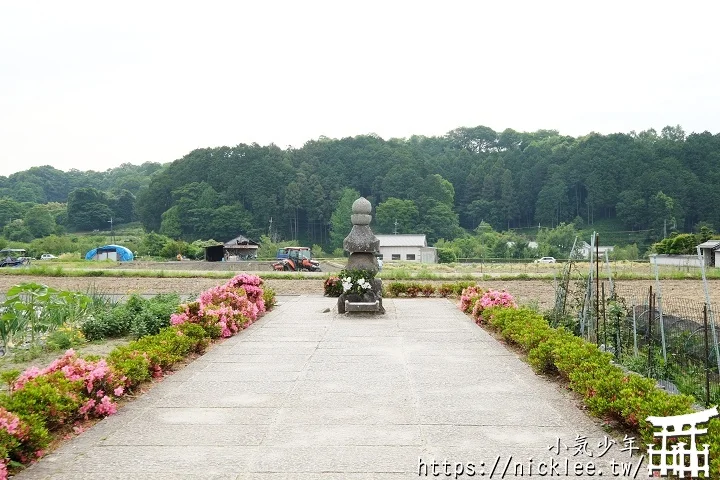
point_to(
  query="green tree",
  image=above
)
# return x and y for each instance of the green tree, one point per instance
(340, 223)
(122, 203)
(508, 198)
(228, 222)
(632, 209)
(293, 204)
(439, 221)
(39, 221)
(435, 187)
(558, 241)
(170, 225)
(88, 209)
(395, 214)
(17, 231)
(10, 210)
(661, 212)
(152, 244)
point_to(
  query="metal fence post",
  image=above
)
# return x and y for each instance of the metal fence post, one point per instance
(604, 316)
(707, 356)
(650, 315)
(634, 326)
(660, 309)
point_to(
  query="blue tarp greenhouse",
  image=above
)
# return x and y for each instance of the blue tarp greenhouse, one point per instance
(110, 252)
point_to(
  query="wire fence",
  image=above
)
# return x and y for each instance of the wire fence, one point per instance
(673, 340)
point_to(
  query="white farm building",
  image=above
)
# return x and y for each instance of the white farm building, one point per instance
(407, 247)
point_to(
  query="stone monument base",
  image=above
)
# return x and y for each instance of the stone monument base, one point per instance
(368, 302)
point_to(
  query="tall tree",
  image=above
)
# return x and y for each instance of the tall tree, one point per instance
(39, 221)
(396, 216)
(88, 209)
(340, 223)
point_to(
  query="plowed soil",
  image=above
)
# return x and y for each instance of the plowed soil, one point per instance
(526, 291)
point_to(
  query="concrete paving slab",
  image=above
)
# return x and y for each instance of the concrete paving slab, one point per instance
(341, 435)
(307, 395)
(138, 434)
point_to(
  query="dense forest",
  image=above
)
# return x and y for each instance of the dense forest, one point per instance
(443, 186)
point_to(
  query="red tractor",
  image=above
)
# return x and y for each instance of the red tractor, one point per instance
(299, 259)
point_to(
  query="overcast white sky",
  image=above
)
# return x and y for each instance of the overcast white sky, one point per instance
(91, 85)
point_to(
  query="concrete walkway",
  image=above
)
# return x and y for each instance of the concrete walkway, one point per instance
(307, 395)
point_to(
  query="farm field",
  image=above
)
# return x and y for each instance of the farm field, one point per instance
(526, 291)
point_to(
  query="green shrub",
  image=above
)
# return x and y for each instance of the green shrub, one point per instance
(148, 356)
(427, 290)
(197, 334)
(32, 437)
(64, 338)
(446, 255)
(138, 316)
(413, 289)
(458, 287)
(109, 324)
(606, 389)
(395, 289)
(131, 363)
(446, 289)
(150, 315)
(269, 298)
(52, 398)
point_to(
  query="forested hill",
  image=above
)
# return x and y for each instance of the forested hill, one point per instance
(434, 185)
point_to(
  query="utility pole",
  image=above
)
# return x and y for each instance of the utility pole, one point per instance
(270, 229)
(396, 224)
(112, 236)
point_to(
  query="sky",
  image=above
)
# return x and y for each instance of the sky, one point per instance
(91, 85)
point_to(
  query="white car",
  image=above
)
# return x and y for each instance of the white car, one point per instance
(545, 260)
(47, 256)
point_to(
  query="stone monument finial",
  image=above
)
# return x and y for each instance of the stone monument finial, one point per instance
(361, 209)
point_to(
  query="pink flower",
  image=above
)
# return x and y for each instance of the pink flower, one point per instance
(119, 391)
(9, 421)
(106, 407)
(87, 406)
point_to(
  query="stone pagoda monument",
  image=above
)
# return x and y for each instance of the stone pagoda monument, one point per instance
(362, 245)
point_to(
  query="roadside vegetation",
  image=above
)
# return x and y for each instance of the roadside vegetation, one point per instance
(48, 401)
(622, 399)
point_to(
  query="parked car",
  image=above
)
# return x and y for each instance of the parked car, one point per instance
(47, 256)
(545, 260)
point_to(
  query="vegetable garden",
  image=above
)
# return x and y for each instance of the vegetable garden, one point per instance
(42, 404)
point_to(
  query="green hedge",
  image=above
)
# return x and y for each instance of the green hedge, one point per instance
(608, 391)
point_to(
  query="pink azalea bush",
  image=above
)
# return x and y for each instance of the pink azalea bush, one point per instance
(226, 309)
(96, 378)
(71, 388)
(492, 298)
(13, 432)
(469, 296)
(68, 389)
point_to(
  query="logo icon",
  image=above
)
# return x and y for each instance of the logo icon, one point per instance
(683, 457)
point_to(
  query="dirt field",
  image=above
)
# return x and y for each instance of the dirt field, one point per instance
(540, 291)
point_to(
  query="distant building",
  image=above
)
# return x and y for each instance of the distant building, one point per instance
(407, 247)
(709, 254)
(710, 251)
(585, 248)
(239, 248)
